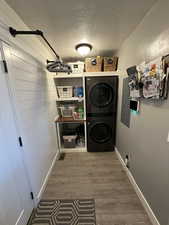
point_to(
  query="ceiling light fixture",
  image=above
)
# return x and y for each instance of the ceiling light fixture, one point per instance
(83, 48)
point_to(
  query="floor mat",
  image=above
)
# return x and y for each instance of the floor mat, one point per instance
(65, 212)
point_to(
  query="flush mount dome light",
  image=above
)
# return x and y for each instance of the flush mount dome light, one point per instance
(83, 48)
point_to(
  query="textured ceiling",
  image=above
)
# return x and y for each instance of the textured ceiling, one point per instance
(104, 24)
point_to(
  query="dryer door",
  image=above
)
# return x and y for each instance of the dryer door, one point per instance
(100, 132)
(101, 95)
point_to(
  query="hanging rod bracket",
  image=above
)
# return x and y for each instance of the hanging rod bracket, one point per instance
(15, 32)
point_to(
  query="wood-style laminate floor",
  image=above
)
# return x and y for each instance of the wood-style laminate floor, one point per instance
(99, 176)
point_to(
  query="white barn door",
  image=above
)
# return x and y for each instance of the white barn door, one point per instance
(35, 106)
(15, 201)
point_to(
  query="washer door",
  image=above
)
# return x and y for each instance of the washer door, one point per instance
(101, 95)
(100, 132)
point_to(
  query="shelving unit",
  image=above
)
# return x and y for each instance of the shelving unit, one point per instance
(68, 120)
(70, 80)
(74, 80)
(85, 74)
(73, 149)
(65, 75)
(70, 99)
(59, 122)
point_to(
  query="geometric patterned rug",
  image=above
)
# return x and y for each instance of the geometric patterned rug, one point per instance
(65, 212)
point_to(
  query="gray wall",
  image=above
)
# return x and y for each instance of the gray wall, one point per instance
(145, 140)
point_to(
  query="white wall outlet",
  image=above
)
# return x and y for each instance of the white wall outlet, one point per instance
(168, 137)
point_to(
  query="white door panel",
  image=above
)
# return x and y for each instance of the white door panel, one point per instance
(35, 111)
(15, 202)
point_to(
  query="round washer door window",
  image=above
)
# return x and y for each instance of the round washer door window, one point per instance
(100, 133)
(101, 95)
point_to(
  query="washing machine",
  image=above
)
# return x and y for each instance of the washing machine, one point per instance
(101, 95)
(101, 132)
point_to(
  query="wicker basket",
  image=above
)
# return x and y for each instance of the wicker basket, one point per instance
(65, 91)
(93, 64)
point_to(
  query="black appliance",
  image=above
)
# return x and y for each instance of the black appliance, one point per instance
(101, 108)
(101, 95)
(101, 134)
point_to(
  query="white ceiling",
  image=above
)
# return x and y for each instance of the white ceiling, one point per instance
(65, 23)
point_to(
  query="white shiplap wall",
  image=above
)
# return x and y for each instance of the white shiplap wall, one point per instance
(34, 94)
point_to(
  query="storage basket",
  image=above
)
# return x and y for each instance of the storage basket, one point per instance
(93, 64)
(67, 111)
(78, 91)
(110, 63)
(65, 91)
(77, 67)
(69, 141)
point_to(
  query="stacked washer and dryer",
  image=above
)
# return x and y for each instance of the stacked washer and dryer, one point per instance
(101, 112)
